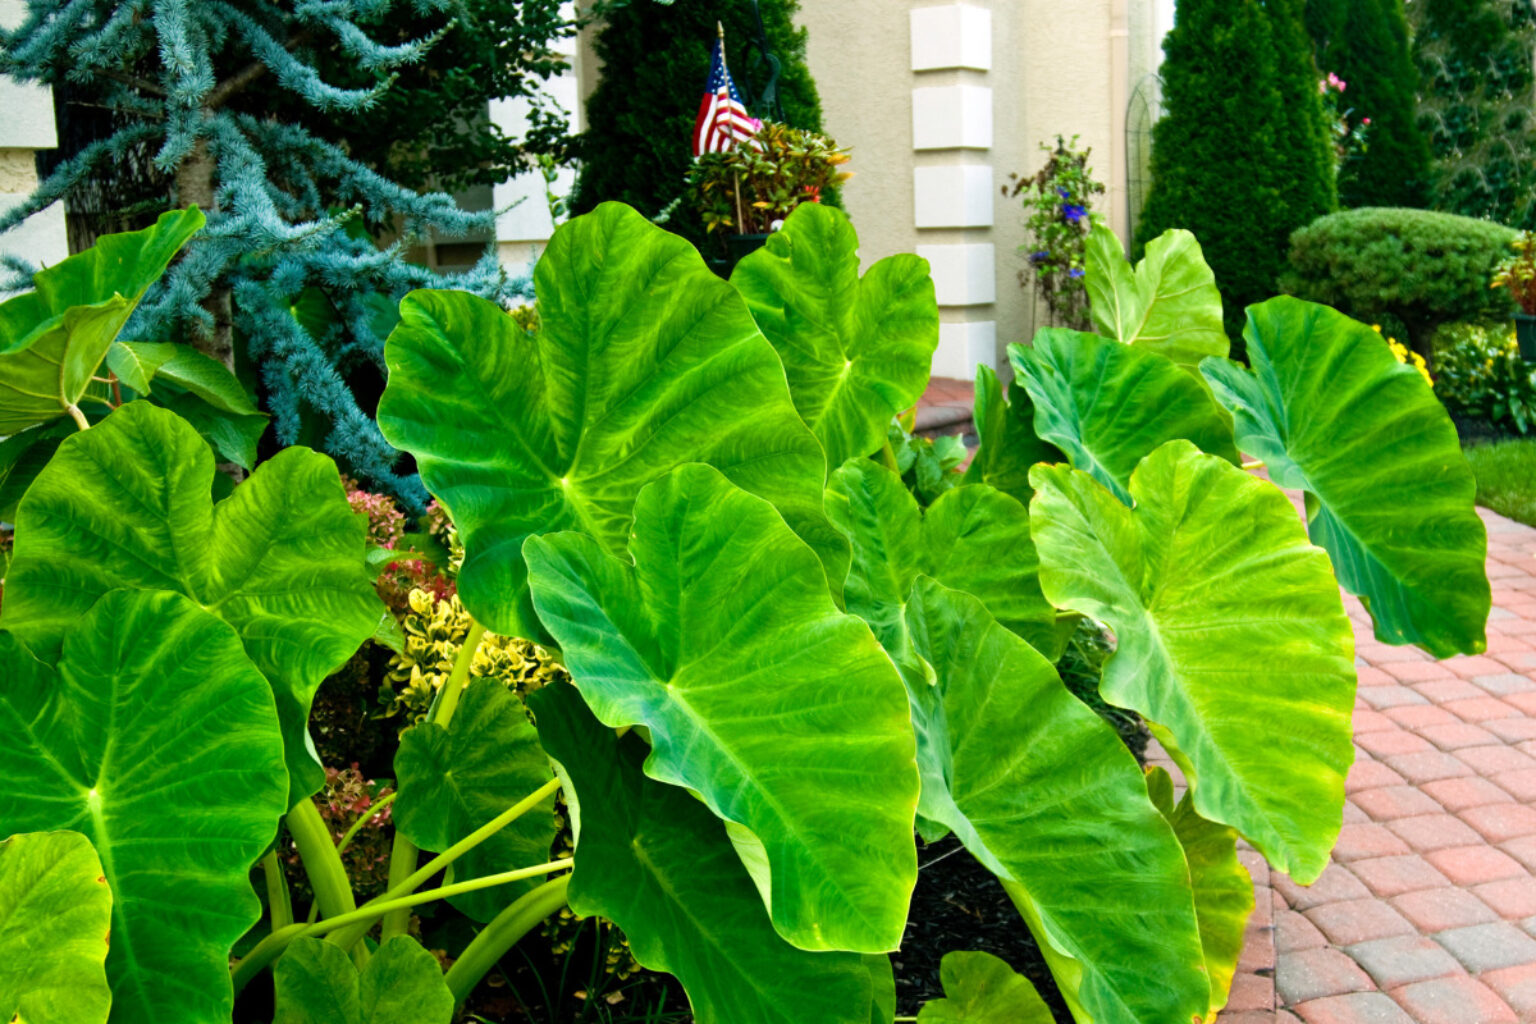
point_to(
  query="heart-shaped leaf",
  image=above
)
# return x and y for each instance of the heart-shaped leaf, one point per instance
(1006, 432)
(402, 984)
(856, 352)
(723, 640)
(22, 457)
(455, 779)
(979, 988)
(1333, 413)
(1223, 888)
(973, 538)
(1108, 405)
(644, 360)
(136, 363)
(1168, 303)
(656, 862)
(128, 504)
(1228, 625)
(57, 911)
(158, 740)
(54, 337)
(1044, 794)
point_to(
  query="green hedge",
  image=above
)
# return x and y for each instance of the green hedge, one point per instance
(1419, 268)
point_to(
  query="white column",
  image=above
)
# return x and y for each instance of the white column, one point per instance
(953, 187)
(26, 125)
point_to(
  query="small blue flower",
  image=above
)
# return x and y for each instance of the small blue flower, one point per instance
(1075, 272)
(1073, 212)
(1063, 192)
(1039, 257)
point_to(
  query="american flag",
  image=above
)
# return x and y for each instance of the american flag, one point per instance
(723, 121)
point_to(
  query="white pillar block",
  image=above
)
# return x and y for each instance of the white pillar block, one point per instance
(963, 275)
(956, 196)
(952, 117)
(952, 36)
(964, 346)
(41, 239)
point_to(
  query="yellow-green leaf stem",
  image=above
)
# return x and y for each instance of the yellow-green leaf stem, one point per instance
(271, 947)
(518, 919)
(279, 903)
(409, 883)
(402, 854)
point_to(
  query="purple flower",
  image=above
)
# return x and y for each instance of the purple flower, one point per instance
(1073, 212)
(1039, 257)
(1075, 272)
(1063, 192)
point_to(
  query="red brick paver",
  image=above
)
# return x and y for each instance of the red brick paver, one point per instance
(1427, 914)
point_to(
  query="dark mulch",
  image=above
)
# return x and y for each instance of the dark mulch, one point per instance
(960, 905)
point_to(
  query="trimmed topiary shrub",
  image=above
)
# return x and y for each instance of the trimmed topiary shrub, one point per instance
(1420, 268)
(1246, 67)
(1365, 42)
(655, 59)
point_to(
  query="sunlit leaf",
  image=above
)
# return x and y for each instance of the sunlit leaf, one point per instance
(780, 711)
(1228, 625)
(1333, 413)
(156, 738)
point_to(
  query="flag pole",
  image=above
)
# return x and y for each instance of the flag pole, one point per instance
(741, 224)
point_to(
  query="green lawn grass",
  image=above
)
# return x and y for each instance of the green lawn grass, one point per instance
(1506, 478)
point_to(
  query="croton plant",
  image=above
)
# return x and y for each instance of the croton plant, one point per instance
(787, 671)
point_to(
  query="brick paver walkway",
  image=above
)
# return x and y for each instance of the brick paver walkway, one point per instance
(1427, 914)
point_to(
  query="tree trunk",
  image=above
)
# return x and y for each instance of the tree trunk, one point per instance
(194, 185)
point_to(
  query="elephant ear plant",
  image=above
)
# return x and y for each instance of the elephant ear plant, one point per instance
(786, 671)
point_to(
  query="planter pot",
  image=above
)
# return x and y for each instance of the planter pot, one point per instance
(1525, 334)
(737, 247)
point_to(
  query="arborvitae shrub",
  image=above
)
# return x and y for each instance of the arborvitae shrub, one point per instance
(655, 59)
(1365, 42)
(1240, 156)
(1420, 268)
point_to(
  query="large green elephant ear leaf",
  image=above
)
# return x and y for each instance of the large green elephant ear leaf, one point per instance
(1223, 888)
(979, 988)
(1333, 413)
(644, 360)
(1167, 304)
(57, 911)
(973, 538)
(1228, 626)
(282, 559)
(455, 779)
(1042, 791)
(723, 641)
(158, 740)
(656, 862)
(1008, 442)
(856, 352)
(54, 337)
(402, 984)
(1108, 405)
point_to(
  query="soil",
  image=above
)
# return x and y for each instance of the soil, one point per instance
(960, 905)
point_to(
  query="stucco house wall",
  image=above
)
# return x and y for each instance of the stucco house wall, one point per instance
(26, 126)
(940, 102)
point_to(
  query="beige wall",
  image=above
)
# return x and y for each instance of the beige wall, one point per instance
(1063, 66)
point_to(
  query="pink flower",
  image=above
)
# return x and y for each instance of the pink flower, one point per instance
(1365, 120)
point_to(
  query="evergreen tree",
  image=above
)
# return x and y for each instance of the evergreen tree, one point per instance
(1239, 157)
(1303, 168)
(1365, 42)
(655, 61)
(1476, 95)
(285, 264)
